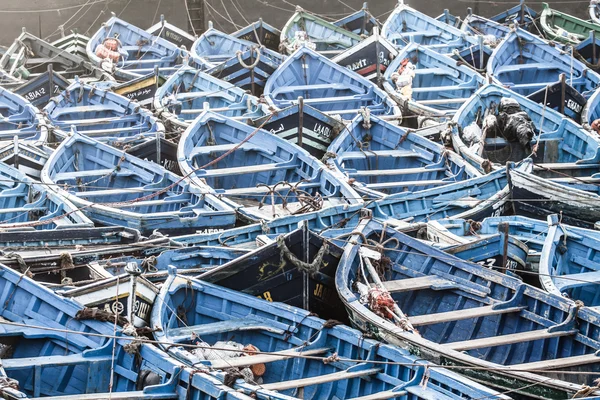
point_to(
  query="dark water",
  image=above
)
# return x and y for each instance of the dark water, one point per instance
(41, 18)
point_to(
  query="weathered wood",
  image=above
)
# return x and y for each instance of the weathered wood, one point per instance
(559, 362)
(457, 315)
(265, 358)
(318, 380)
(381, 395)
(507, 339)
(137, 395)
(404, 285)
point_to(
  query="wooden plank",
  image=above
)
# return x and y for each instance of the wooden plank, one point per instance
(318, 380)
(565, 362)
(388, 394)
(230, 325)
(137, 395)
(50, 361)
(475, 312)
(403, 171)
(404, 285)
(356, 155)
(265, 358)
(573, 280)
(507, 339)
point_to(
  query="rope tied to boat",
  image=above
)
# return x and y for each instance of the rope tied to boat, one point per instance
(264, 227)
(310, 268)
(23, 268)
(331, 359)
(8, 383)
(328, 156)
(149, 264)
(249, 66)
(366, 114)
(100, 315)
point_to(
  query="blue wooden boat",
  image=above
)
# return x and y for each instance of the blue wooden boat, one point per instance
(261, 33)
(131, 52)
(171, 33)
(476, 198)
(360, 22)
(115, 188)
(20, 118)
(306, 29)
(27, 205)
(555, 143)
(569, 263)
(102, 115)
(264, 325)
(449, 19)
(439, 86)
(40, 89)
(496, 328)
(525, 64)
(303, 126)
(72, 260)
(259, 174)
(249, 70)
(576, 200)
(382, 159)
(29, 57)
(406, 25)
(524, 15)
(57, 349)
(192, 261)
(493, 31)
(370, 58)
(189, 92)
(326, 86)
(214, 47)
(68, 238)
(27, 157)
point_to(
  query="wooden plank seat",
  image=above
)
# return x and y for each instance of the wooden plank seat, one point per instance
(66, 125)
(318, 380)
(134, 395)
(512, 338)
(475, 312)
(358, 155)
(564, 362)
(243, 170)
(575, 280)
(242, 362)
(406, 184)
(51, 361)
(323, 86)
(427, 33)
(222, 148)
(437, 71)
(306, 186)
(393, 172)
(523, 67)
(217, 94)
(230, 325)
(66, 176)
(433, 282)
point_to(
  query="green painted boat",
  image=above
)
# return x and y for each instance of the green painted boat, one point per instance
(565, 28)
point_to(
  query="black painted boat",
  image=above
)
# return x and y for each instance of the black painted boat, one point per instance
(361, 22)
(261, 33)
(297, 269)
(42, 88)
(171, 33)
(141, 90)
(370, 58)
(561, 97)
(304, 126)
